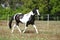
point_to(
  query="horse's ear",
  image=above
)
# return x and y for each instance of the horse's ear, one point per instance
(36, 7)
(33, 10)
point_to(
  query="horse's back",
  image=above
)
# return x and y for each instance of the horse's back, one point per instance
(19, 16)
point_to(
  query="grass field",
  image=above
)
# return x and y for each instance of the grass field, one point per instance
(47, 31)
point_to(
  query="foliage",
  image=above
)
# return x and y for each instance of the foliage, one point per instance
(28, 5)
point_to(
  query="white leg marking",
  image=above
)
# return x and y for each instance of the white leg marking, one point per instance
(18, 29)
(13, 28)
(25, 29)
(35, 28)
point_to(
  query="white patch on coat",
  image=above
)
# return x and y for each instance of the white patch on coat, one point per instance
(26, 17)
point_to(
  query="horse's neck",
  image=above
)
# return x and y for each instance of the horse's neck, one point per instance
(28, 14)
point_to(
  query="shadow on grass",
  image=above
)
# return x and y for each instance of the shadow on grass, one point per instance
(29, 31)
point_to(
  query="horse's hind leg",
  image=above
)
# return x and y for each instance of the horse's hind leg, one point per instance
(13, 28)
(17, 25)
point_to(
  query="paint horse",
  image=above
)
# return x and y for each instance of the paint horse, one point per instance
(26, 19)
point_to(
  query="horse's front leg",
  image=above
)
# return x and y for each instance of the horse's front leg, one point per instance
(25, 28)
(35, 28)
(17, 25)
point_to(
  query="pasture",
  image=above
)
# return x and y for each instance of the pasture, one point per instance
(47, 31)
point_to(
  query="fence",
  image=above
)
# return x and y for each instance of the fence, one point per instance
(49, 17)
(43, 17)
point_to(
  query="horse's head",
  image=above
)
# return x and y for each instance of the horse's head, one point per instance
(36, 11)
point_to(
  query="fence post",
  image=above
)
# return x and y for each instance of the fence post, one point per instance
(57, 18)
(47, 20)
(7, 19)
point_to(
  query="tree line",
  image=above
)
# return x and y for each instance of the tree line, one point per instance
(10, 7)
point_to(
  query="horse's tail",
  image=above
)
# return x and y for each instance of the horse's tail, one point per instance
(10, 22)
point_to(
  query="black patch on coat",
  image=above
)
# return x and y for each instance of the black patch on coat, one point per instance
(18, 17)
(31, 20)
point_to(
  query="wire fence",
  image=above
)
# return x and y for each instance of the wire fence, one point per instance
(43, 17)
(48, 17)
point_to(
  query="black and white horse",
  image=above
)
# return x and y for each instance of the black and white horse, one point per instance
(27, 19)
